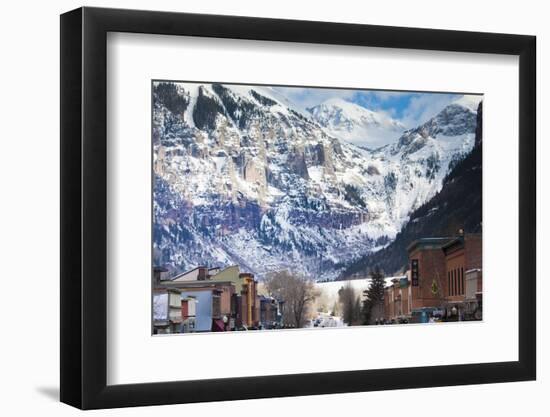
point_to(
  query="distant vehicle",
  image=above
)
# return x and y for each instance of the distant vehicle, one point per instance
(422, 315)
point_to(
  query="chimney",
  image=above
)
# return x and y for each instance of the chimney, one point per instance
(203, 273)
(159, 274)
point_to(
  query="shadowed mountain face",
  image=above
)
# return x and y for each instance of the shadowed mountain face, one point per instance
(456, 206)
(241, 176)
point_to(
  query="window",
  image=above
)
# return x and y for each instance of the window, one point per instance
(462, 279)
(455, 282)
(216, 306)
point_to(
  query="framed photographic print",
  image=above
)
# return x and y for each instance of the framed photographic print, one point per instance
(257, 208)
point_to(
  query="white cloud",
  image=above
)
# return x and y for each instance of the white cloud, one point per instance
(425, 106)
(308, 97)
(387, 95)
(422, 107)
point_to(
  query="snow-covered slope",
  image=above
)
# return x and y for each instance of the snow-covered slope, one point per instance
(356, 124)
(243, 177)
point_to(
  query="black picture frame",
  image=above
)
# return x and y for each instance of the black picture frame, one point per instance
(84, 207)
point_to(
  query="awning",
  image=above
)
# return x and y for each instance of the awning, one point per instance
(218, 326)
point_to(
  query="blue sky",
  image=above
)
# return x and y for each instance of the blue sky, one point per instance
(410, 108)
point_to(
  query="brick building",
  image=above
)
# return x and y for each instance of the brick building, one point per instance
(463, 262)
(428, 268)
(247, 302)
(397, 299)
(445, 278)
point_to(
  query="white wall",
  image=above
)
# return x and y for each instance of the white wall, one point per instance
(30, 202)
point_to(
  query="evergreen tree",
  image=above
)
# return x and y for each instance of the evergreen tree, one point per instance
(171, 98)
(373, 303)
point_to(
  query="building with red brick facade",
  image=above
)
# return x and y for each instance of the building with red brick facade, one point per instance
(397, 299)
(247, 301)
(463, 259)
(428, 272)
(444, 279)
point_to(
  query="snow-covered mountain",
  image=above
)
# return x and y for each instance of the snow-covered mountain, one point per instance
(356, 124)
(457, 204)
(241, 176)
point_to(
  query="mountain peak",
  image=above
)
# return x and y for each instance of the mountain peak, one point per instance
(454, 123)
(356, 124)
(470, 102)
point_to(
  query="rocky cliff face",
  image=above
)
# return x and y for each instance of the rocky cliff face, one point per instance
(243, 177)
